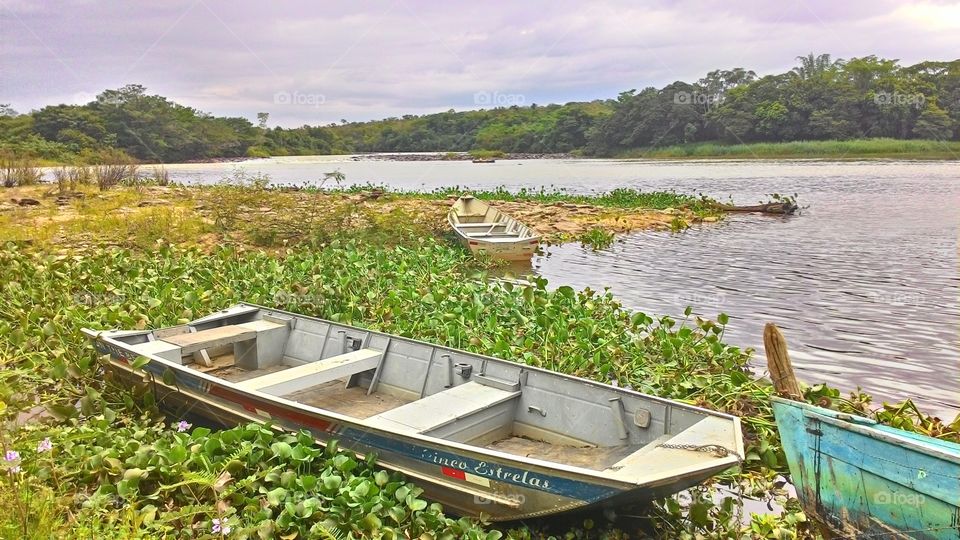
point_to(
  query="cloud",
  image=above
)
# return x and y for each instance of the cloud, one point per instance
(394, 57)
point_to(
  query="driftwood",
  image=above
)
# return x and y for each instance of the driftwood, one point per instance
(768, 208)
(778, 362)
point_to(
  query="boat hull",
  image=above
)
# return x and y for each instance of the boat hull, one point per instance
(521, 250)
(862, 479)
(484, 229)
(444, 474)
(447, 443)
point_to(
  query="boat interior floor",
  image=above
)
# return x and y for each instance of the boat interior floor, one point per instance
(589, 457)
(435, 412)
(332, 395)
(352, 401)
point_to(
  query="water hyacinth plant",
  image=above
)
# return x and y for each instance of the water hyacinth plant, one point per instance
(120, 471)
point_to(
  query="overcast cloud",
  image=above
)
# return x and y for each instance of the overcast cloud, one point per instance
(315, 63)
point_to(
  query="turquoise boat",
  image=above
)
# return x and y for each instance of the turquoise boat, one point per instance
(862, 479)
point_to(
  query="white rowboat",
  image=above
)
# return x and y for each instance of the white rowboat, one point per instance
(483, 228)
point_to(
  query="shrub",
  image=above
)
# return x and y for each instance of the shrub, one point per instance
(18, 171)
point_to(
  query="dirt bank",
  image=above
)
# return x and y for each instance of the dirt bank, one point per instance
(207, 215)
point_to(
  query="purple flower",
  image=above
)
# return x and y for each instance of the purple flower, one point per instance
(183, 425)
(220, 526)
(12, 455)
(44, 445)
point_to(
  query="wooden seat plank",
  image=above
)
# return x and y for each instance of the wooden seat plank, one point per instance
(214, 337)
(311, 374)
(441, 408)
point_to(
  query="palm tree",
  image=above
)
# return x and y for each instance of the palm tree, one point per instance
(812, 66)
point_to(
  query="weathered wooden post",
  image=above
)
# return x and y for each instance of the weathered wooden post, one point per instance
(778, 362)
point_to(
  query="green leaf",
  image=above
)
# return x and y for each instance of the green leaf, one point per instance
(139, 362)
(281, 450)
(332, 482)
(415, 504)
(275, 496)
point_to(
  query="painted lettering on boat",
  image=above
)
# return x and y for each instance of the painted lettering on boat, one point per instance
(482, 468)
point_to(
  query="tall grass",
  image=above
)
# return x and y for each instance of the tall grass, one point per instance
(18, 171)
(856, 148)
(70, 178)
(112, 174)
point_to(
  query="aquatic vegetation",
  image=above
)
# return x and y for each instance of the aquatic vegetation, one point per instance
(678, 224)
(423, 289)
(627, 198)
(487, 154)
(597, 238)
(427, 290)
(249, 480)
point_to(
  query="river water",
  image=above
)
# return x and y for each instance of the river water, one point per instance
(864, 284)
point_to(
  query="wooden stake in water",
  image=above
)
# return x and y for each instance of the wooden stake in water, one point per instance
(778, 362)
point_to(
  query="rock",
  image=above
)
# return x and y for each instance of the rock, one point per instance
(711, 219)
(154, 202)
(26, 202)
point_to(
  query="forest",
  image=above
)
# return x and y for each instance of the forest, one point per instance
(821, 99)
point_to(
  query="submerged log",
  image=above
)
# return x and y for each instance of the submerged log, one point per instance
(768, 208)
(778, 362)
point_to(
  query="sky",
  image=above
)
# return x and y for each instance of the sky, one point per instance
(310, 62)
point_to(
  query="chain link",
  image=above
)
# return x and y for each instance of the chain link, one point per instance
(719, 451)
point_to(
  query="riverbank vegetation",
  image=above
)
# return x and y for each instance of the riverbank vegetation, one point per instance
(86, 458)
(849, 149)
(838, 102)
(99, 460)
(247, 211)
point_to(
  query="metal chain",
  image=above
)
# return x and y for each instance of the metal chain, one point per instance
(719, 451)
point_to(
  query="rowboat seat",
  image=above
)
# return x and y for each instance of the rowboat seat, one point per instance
(307, 375)
(442, 408)
(500, 234)
(192, 342)
(177, 344)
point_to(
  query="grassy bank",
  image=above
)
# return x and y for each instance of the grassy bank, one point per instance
(850, 149)
(249, 213)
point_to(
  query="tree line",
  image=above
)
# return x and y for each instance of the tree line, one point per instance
(820, 99)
